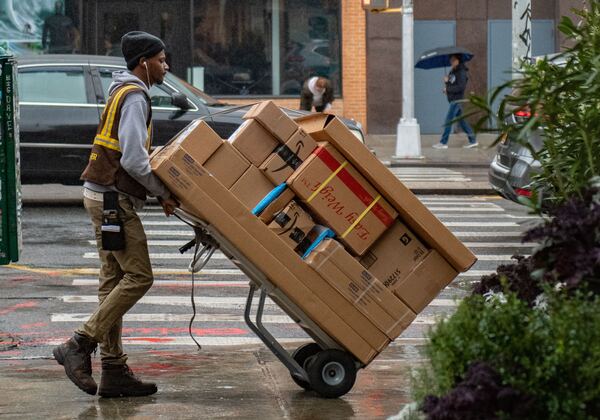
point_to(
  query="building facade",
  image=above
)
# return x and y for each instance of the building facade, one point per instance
(250, 50)
(481, 26)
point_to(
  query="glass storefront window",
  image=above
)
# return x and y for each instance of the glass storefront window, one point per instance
(264, 47)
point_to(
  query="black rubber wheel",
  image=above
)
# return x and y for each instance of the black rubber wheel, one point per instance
(301, 355)
(332, 373)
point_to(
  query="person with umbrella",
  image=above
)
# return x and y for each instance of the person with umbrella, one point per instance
(455, 86)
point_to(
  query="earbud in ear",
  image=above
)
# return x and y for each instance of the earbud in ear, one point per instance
(145, 64)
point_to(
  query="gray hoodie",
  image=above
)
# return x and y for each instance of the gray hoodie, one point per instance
(132, 138)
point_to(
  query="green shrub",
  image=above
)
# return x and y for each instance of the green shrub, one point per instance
(564, 101)
(552, 355)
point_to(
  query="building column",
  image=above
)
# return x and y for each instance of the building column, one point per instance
(354, 61)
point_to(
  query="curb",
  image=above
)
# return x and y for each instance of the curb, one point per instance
(422, 164)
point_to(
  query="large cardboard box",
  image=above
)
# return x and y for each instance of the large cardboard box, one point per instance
(425, 281)
(292, 224)
(209, 200)
(271, 117)
(201, 140)
(252, 187)
(253, 141)
(394, 255)
(281, 164)
(226, 164)
(344, 273)
(281, 202)
(414, 213)
(342, 198)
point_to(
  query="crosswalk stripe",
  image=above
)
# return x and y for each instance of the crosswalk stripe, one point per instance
(481, 224)
(183, 233)
(204, 301)
(496, 257)
(469, 209)
(499, 244)
(460, 234)
(219, 256)
(177, 244)
(169, 317)
(484, 216)
(163, 256)
(200, 283)
(219, 341)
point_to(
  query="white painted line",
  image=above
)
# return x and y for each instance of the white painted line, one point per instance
(496, 257)
(205, 301)
(159, 243)
(166, 283)
(482, 224)
(482, 216)
(202, 301)
(468, 209)
(163, 223)
(499, 244)
(185, 233)
(453, 198)
(163, 256)
(476, 273)
(408, 179)
(167, 317)
(223, 341)
(487, 234)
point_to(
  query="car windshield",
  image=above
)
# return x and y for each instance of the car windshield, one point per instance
(189, 90)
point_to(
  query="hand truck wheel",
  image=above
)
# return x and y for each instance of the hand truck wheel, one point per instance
(331, 373)
(301, 355)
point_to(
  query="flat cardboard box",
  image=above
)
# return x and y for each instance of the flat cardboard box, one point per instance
(209, 200)
(292, 224)
(394, 255)
(425, 281)
(271, 117)
(253, 142)
(252, 187)
(414, 213)
(226, 164)
(201, 140)
(376, 302)
(281, 202)
(281, 164)
(342, 198)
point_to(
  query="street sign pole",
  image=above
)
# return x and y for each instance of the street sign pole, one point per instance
(10, 186)
(521, 34)
(408, 132)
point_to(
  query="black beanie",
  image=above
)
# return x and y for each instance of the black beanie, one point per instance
(138, 44)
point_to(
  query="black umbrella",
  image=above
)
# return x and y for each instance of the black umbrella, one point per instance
(440, 57)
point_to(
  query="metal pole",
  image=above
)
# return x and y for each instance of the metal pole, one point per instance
(408, 52)
(521, 33)
(408, 134)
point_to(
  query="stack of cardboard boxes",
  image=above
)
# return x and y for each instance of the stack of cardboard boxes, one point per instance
(389, 256)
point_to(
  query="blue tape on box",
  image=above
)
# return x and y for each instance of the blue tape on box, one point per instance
(269, 198)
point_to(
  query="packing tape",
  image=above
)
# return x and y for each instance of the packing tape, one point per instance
(362, 216)
(327, 181)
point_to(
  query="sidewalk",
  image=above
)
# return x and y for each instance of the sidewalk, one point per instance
(384, 147)
(213, 383)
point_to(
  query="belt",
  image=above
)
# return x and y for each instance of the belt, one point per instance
(98, 196)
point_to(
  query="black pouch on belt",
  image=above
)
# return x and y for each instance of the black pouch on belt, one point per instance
(113, 235)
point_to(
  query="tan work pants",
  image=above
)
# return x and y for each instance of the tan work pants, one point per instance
(125, 276)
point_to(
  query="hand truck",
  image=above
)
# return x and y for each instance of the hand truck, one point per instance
(323, 365)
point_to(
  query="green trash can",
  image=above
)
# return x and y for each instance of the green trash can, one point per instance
(10, 180)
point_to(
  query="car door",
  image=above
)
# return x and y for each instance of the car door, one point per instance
(58, 121)
(168, 120)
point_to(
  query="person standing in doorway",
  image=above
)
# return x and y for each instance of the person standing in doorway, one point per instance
(117, 181)
(317, 92)
(456, 84)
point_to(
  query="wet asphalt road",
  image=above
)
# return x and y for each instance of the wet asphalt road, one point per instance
(53, 288)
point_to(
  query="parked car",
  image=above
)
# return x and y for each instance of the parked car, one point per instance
(513, 165)
(63, 96)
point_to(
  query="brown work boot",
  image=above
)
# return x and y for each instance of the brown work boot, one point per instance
(119, 381)
(74, 355)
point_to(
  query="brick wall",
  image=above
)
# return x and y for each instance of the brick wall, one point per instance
(354, 61)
